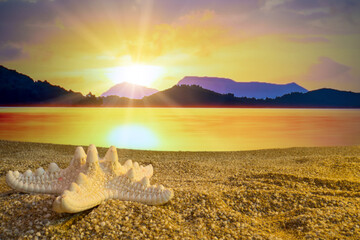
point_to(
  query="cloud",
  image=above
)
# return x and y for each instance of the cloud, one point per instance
(31, 21)
(309, 39)
(326, 69)
(24, 22)
(329, 73)
(299, 17)
(335, 5)
(271, 4)
(8, 53)
(330, 17)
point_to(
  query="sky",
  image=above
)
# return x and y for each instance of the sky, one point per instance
(90, 45)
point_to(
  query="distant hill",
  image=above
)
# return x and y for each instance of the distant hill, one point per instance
(129, 90)
(185, 95)
(189, 96)
(324, 97)
(19, 89)
(242, 89)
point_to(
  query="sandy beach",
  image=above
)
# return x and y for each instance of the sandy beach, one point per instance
(295, 193)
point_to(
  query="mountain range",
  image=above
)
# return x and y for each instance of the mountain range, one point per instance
(19, 90)
(196, 96)
(220, 85)
(243, 89)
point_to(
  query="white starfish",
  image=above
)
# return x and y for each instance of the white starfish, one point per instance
(88, 181)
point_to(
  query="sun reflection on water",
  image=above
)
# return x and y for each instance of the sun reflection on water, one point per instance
(133, 136)
(182, 129)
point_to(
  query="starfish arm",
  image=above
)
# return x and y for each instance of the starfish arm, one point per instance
(85, 193)
(53, 181)
(126, 189)
(139, 170)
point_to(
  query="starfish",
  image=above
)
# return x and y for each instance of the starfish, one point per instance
(88, 181)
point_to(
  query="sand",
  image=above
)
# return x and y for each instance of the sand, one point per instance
(295, 193)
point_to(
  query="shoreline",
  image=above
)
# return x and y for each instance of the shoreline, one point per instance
(290, 193)
(69, 146)
(173, 106)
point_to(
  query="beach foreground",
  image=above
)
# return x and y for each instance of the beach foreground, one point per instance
(291, 193)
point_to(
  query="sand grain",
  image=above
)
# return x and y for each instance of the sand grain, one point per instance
(297, 193)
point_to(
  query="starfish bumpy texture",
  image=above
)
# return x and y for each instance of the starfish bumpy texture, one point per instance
(88, 181)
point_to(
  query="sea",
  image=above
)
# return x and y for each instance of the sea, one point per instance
(182, 129)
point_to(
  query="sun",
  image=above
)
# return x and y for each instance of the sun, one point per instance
(139, 74)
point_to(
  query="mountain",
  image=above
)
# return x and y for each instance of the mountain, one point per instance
(243, 89)
(129, 90)
(19, 89)
(324, 97)
(196, 96)
(185, 95)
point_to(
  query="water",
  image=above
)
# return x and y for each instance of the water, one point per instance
(185, 129)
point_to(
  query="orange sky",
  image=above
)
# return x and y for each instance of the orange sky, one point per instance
(89, 45)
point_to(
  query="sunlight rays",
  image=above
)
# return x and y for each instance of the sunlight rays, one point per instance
(145, 17)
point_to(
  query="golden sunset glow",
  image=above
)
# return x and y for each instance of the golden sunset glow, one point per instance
(137, 74)
(92, 45)
(185, 129)
(247, 111)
